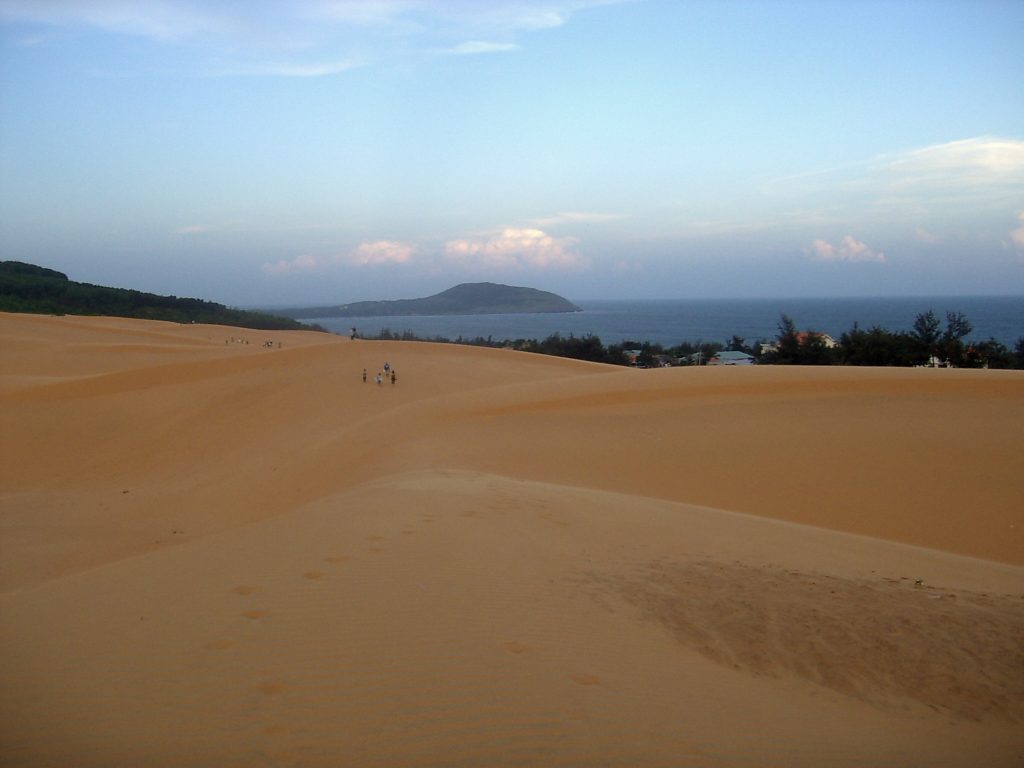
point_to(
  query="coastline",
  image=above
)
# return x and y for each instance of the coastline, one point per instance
(670, 322)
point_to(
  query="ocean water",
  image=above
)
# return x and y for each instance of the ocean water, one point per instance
(670, 322)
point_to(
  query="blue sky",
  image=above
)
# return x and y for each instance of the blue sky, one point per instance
(320, 151)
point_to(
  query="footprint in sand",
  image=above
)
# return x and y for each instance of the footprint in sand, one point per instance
(337, 559)
(514, 646)
(313, 575)
(253, 615)
(243, 590)
(220, 645)
(582, 678)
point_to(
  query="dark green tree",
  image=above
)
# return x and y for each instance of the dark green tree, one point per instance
(877, 346)
(987, 354)
(926, 328)
(1017, 358)
(926, 336)
(787, 341)
(737, 344)
(951, 343)
(813, 351)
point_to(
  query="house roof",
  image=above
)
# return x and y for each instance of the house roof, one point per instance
(730, 355)
(803, 337)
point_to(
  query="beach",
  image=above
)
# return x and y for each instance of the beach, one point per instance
(224, 547)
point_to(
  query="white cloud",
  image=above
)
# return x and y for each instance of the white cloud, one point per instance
(382, 252)
(850, 249)
(822, 250)
(517, 249)
(927, 237)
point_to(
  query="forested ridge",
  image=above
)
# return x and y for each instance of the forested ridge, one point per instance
(463, 299)
(38, 290)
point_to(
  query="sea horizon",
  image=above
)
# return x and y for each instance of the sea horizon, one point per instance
(673, 321)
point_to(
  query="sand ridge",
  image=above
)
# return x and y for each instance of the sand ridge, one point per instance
(225, 554)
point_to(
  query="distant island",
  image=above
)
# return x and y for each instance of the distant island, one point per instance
(42, 291)
(464, 299)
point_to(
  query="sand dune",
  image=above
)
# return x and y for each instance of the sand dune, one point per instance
(220, 553)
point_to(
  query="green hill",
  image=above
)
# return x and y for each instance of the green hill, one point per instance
(465, 299)
(38, 290)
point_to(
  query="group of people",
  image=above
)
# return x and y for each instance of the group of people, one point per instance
(242, 340)
(380, 378)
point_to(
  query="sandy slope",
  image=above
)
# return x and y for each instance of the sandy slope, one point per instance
(217, 553)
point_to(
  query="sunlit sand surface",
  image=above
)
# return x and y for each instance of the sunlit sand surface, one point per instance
(219, 553)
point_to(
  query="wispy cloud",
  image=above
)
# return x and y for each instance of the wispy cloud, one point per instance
(281, 69)
(474, 47)
(158, 19)
(366, 254)
(971, 162)
(328, 33)
(358, 12)
(970, 182)
(193, 229)
(523, 15)
(746, 223)
(965, 165)
(578, 217)
(515, 250)
(849, 249)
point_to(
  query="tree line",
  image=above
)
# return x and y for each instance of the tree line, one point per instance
(928, 343)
